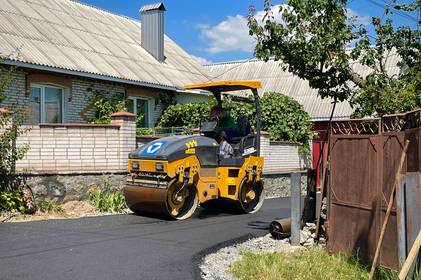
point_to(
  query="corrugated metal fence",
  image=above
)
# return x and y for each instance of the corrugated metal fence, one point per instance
(364, 157)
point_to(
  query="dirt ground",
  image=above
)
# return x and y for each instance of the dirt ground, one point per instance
(71, 210)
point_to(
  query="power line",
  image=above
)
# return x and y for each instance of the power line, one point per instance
(232, 68)
(398, 12)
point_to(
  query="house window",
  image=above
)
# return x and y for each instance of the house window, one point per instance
(139, 107)
(46, 104)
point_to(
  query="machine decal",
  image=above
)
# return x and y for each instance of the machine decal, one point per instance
(191, 151)
(152, 149)
(191, 144)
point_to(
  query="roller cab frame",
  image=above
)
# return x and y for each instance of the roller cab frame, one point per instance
(172, 175)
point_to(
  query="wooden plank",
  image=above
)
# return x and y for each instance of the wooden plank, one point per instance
(411, 258)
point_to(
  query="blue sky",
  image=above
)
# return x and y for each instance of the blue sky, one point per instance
(215, 31)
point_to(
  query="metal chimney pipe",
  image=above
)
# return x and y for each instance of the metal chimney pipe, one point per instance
(152, 30)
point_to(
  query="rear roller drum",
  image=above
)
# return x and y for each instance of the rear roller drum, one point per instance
(251, 196)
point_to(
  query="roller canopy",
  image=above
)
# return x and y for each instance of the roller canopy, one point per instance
(217, 88)
(226, 86)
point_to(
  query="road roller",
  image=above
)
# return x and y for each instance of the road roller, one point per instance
(171, 176)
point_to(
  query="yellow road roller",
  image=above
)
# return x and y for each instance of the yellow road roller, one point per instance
(171, 176)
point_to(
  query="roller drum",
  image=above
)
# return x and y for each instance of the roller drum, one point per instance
(146, 200)
(173, 201)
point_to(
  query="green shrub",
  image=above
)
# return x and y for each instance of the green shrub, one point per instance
(47, 205)
(107, 199)
(144, 131)
(285, 119)
(11, 201)
(188, 115)
(105, 104)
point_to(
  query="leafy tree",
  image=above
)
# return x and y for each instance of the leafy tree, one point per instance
(383, 93)
(313, 39)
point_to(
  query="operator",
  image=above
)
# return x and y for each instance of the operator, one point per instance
(225, 149)
(225, 121)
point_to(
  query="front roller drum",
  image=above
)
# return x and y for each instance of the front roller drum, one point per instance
(251, 196)
(174, 201)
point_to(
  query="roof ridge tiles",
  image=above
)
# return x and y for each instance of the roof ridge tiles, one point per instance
(233, 62)
(101, 9)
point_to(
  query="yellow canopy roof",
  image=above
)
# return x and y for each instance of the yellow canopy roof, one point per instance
(224, 86)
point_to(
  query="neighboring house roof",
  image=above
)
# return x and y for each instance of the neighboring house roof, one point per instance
(273, 78)
(75, 38)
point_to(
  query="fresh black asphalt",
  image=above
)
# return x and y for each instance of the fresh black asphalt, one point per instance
(124, 246)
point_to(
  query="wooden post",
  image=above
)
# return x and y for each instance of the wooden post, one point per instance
(411, 257)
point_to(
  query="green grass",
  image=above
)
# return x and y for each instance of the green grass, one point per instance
(311, 264)
(47, 205)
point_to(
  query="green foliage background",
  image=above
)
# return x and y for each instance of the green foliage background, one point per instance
(189, 115)
(105, 104)
(282, 116)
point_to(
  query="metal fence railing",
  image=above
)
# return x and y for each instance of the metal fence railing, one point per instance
(164, 131)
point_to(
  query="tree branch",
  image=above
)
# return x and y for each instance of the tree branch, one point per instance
(357, 79)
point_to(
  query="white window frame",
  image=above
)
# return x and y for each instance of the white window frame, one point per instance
(134, 100)
(42, 100)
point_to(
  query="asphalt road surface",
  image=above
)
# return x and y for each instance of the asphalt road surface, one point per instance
(124, 246)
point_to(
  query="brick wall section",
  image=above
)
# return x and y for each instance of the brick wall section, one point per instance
(280, 157)
(79, 148)
(81, 98)
(15, 93)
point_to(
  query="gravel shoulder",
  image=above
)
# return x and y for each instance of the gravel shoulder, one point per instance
(216, 264)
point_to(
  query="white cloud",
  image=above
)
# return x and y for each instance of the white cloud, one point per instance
(231, 34)
(201, 60)
(359, 19)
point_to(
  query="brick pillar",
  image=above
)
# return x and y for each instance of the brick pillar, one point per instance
(127, 124)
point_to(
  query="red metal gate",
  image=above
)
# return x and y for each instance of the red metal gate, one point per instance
(354, 182)
(364, 157)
